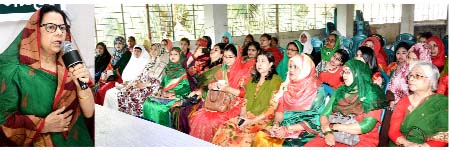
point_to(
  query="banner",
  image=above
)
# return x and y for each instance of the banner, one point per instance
(17, 12)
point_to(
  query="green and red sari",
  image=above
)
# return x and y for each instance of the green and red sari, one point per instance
(28, 93)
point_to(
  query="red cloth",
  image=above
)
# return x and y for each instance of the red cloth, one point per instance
(276, 53)
(397, 118)
(443, 85)
(333, 79)
(369, 139)
(101, 92)
(439, 59)
(380, 54)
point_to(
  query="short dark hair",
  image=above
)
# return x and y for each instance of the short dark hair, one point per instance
(132, 38)
(275, 39)
(401, 44)
(186, 40)
(50, 8)
(232, 48)
(426, 34)
(344, 55)
(272, 71)
(257, 46)
(251, 36)
(102, 45)
(268, 36)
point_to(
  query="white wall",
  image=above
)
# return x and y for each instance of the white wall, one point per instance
(83, 31)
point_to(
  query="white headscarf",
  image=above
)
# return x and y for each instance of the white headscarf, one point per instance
(136, 65)
(307, 46)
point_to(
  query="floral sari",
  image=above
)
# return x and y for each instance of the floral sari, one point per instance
(258, 100)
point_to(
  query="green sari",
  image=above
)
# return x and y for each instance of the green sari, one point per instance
(282, 67)
(310, 117)
(28, 95)
(428, 121)
(174, 81)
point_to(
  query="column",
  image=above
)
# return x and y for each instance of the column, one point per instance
(407, 21)
(216, 22)
(345, 18)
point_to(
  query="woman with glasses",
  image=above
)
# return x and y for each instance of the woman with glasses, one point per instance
(421, 119)
(41, 101)
(293, 48)
(333, 75)
(231, 80)
(353, 114)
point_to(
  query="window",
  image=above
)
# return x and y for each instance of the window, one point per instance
(380, 13)
(430, 11)
(260, 18)
(172, 21)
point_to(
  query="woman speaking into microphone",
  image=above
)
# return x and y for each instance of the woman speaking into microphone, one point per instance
(41, 101)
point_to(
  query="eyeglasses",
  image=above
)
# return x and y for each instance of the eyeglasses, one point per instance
(292, 50)
(346, 72)
(51, 27)
(416, 76)
(336, 58)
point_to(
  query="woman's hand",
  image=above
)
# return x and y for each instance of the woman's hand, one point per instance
(79, 72)
(330, 140)
(57, 121)
(247, 122)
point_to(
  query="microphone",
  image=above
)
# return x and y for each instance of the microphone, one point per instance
(71, 57)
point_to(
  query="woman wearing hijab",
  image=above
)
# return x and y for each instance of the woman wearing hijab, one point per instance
(114, 72)
(437, 52)
(293, 48)
(300, 100)
(381, 56)
(174, 86)
(305, 39)
(102, 59)
(227, 38)
(41, 101)
(197, 62)
(332, 44)
(358, 100)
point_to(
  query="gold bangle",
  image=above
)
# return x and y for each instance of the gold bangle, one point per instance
(83, 97)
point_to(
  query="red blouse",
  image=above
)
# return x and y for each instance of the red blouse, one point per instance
(333, 79)
(397, 118)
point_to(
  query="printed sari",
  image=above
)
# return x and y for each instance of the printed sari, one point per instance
(29, 93)
(204, 123)
(258, 101)
(181, 115)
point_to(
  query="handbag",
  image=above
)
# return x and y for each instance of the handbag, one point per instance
(217, 101)
(343, 137)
